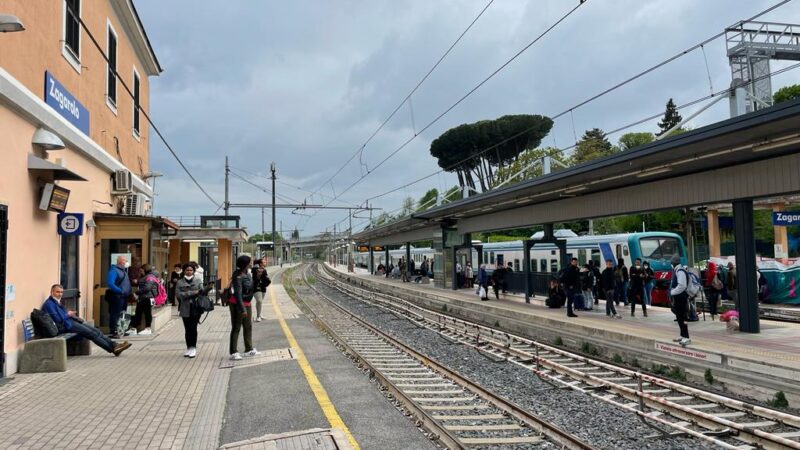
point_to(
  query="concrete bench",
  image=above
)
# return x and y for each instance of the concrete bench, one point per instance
(49, 354)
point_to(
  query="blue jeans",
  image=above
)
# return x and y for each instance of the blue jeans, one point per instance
(648, 293)
(610, 310)
(93, 334)
(116, 304)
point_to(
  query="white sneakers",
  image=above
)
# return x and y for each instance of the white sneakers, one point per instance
(252, 352)
(191, 352)
(677, 339)
(258, 319)
(145, 332)
(131, 332)
(236, 357)
(684, 342)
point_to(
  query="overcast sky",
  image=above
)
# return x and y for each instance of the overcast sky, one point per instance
(305, 84)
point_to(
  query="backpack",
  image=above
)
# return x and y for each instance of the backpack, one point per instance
(161, 297)
(43, 325)
(693, 284)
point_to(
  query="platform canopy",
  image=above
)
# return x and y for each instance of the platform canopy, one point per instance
(751, 156)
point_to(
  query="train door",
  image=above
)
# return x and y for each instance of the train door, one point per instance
(3, 241)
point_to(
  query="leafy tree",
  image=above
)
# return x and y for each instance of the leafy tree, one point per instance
(632, 140)
(296, 234)
(786, 93)
(382, 219)
(265, 237)
(453, 194)
(473, 151)
(594, 144)
(428, 200)
(671, 118)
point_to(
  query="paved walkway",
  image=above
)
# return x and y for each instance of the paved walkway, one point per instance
(152, 397)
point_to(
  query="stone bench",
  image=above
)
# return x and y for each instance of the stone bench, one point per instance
(49, 354)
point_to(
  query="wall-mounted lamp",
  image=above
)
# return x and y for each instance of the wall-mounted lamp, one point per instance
(10, 24)
(47, 140)
(91, 223)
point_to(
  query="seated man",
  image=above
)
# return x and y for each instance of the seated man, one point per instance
(67, 322)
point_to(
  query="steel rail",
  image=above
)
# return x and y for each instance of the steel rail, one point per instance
(709, 421)
(551, 431)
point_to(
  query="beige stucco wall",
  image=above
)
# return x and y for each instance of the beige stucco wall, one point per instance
(26, 55)
(33, 243)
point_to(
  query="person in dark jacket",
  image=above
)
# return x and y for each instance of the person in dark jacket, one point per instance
(638, 277)
(483, 282)
(555, 295)
(177, 273)
(608, 284)
(498, 279)
(572, 284)
(145, 293)
(119, 289)
(187, 289)
(621, 277)
(261, 282)
(68, 322)
(241, 312)
(587, 285)
(596, 291)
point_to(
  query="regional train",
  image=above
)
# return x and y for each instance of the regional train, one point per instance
(657, 248)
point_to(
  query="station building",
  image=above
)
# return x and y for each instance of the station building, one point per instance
(75, 161)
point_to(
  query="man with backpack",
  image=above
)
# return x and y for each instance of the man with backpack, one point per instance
(680, 299)
(150, 292)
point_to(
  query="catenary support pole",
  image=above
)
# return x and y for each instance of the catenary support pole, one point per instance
(526, 268)
(371, 259)
(274, 241)
(746, 288)
(227, 199)
(408, 258)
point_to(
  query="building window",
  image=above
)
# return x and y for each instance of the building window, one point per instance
(111, 76)
(136, 84)
(72, 27)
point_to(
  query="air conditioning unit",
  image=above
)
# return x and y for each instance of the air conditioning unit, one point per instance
(134, 205)
(123, 182)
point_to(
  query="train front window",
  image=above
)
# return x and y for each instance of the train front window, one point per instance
(660, 247)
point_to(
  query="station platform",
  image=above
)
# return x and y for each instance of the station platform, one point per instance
(755, 365)
(301, 392)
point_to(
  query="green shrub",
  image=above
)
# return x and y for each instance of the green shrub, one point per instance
(709, 377)
(558, 341)
(617, 358)
(779, 400)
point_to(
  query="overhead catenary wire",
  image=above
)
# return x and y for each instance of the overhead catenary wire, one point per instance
(142, 111)
(465, 96)
(601, 94)
(264, 189)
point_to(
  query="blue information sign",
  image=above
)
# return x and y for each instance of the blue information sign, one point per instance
(60, 99)
(785, 219)
(70, 224)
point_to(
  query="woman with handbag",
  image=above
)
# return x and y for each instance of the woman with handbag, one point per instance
(261, 282)
(242, 291)
(187, 289)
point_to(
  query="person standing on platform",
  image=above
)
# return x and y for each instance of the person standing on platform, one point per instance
(261, 282)
(572, 283)
(608, 284)
(596, 287)
(498, 277)
(119, 289)
(187, 289)
(459, 275)
(483, 282)
(636, 293)
(177, 273)
(649, 281)
(469, 276)
(680, 299)
(507, 276)
(241, 312)
(621, 276)
(146, 292)
(731, 284)
(587, 283)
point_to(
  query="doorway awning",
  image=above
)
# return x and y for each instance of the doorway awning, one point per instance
(59, 172)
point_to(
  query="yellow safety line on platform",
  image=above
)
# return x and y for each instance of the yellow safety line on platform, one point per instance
(316, 387)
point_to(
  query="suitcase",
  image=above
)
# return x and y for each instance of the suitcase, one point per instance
(580, 302)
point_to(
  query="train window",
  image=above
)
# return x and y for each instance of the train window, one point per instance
(543, 265)
(491, 257)
(552, 252)
(582, 257)
(625, 250)
(553, 265)
(516, 265)
(485, 257)
(619, 252)
(660, 247)
(596, 257)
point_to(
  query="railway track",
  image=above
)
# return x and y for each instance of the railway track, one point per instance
(456, 412)
(668, 407)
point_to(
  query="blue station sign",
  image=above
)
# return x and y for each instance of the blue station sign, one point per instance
(785, 219)
(60, 99)
(70, 224)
